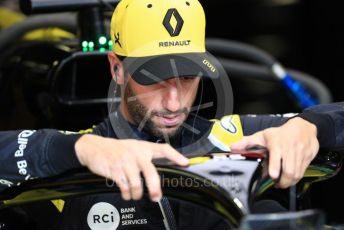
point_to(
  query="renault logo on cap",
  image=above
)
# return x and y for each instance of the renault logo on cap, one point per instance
(173, 22)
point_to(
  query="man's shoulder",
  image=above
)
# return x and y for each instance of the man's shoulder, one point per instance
(104, 129)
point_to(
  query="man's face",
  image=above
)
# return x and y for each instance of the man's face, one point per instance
(160, 109)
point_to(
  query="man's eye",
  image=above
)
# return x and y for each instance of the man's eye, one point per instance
(187, 78)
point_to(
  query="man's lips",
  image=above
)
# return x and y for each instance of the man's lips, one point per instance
(170, 120)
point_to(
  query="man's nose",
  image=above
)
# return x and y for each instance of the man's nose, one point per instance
(172, 98)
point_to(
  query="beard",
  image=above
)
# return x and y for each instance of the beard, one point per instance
(143, 117)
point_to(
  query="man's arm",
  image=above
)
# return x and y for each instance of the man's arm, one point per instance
(329, 120)
(26, 154)
(293, 143)
(29, 154)
(124, 160)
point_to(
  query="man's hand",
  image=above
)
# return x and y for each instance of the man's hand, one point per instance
(123, 160)
(291, 146)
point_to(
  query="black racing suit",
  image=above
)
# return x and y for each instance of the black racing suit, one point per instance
(29, 154)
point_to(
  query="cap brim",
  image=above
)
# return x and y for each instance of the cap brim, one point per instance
(154, 69)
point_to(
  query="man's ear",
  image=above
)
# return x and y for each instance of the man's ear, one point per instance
(116, 68)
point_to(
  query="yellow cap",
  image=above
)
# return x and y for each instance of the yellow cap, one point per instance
(143, 28)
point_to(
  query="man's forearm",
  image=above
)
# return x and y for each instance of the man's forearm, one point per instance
(27, 154)
(329, 120)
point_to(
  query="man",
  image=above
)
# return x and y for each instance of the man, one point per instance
(162, 101)
(149, 39)
(29, 154)
(144, 33)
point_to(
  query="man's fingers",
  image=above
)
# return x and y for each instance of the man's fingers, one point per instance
(305, 165)
(275, 157)
(249, 141)
(132, 172)
(152, 179)
(166, 151)
(300, 163)
(121, 180)
(288, 169)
